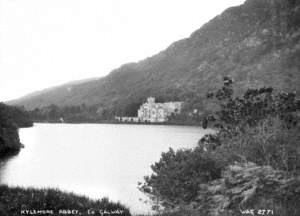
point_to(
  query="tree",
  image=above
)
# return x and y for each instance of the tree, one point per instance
(177, 176)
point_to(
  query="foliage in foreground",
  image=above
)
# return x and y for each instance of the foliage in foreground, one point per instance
(260, 127)
(177, 176)
(13, 200)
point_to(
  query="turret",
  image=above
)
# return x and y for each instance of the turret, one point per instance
(151, 100)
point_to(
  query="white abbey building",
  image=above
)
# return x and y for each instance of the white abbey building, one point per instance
(153, 112)
(157, 112)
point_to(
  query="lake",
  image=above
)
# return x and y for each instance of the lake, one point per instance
(95, 160)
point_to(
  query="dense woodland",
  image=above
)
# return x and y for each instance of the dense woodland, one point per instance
(11, 119)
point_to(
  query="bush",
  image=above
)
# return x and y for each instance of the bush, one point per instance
(177, 176)
(261, 126)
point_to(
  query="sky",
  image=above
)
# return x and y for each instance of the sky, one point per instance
(44, 43)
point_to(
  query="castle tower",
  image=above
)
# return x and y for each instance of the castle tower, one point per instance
(151, 100)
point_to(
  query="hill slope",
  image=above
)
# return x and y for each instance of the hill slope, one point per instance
(257, 43)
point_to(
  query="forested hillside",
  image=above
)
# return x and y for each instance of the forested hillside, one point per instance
(257, 44)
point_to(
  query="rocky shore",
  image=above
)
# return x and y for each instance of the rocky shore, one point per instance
(247, 189)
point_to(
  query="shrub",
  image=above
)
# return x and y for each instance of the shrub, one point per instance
(261, 126)
(177, 176)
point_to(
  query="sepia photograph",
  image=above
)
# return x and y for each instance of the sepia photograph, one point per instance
(150, 107)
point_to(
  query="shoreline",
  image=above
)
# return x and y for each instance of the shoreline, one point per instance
(124, 123)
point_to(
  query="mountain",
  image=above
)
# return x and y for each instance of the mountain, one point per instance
(62, 90)
(256, 43)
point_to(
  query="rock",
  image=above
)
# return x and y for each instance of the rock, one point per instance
(247, 186)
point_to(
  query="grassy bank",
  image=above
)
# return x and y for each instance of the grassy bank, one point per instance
(19, 201)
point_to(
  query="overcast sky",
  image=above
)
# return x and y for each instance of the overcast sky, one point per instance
(45, 43)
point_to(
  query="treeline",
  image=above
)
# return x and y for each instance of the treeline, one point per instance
(14, 116)
(75, 114)
(11, 119)
(260, 127)
(53, 113)
(191, 113)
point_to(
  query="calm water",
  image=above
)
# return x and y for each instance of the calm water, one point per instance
(96, 160)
